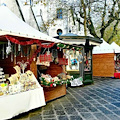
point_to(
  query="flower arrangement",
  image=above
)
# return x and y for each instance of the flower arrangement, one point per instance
(47, 80)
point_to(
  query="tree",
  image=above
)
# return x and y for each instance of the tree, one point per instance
(97, 15)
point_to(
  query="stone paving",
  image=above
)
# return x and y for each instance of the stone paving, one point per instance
(99, 101)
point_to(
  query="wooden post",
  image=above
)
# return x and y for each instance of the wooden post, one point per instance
(33, 66)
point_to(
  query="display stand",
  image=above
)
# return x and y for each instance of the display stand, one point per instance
(2, 76)
(52, 93)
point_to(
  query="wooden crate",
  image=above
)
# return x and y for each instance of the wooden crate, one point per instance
(52, 93)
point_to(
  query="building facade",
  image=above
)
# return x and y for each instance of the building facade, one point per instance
(52, 17)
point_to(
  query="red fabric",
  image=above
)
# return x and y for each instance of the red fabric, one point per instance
(14, 40)
(45, 57)
(63, 61)
(117, 75)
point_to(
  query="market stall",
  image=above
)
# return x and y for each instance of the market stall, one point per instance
(19, 46)
(51, 73)
(80, 62)
(104, 59)
(117, 59)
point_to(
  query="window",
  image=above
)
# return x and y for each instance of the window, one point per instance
(59, 14)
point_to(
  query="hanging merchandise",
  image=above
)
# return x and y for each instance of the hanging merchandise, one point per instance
(45, 57)
(63, 61)
(23, 51)
(11, 56)
(54, 53)
(19, 47)
(29, 53)
(6, 53)
(14, 50)
(48, 52)
(56, 60)
(80, 58)
(8, 48)
(42, 63)
(3, 52)
(32, 41)
(21, 54)
(15, 55)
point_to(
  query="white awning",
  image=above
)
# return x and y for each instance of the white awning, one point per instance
(115, 47)
(10, 24)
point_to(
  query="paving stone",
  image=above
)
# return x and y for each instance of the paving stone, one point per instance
(93, 102)
(48, 112)
(75, 118)
(87, 116)
(117, 104)
(60, 112)
(117, 112)
(113, 117)
(70, 110)
(97, 104)
(86, 103)
(63, 118)
(58, 107)
(96, 97)
(104, 110)
(74, 102)
(111, 107)
(77, 106)
(92, 109)
(36, 117)
(49, 116)
(49, 119)
(100, 116)
(66, 104)
(83, 110)
(102, 101)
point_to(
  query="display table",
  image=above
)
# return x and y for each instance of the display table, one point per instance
(12, 105)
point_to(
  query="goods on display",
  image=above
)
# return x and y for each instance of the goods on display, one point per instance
(19, 82)
(47, 80)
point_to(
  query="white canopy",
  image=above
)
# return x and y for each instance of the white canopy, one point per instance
(10, 24)
(115, 47)
(103, 48)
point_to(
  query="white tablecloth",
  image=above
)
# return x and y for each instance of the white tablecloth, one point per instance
(12, 105)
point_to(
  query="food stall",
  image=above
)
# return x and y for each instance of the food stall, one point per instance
(105, 60)
(19, 47)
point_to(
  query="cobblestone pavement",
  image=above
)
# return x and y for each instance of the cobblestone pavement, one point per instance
(99, 101)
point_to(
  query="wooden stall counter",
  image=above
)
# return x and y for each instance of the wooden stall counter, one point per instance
(52, 93)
